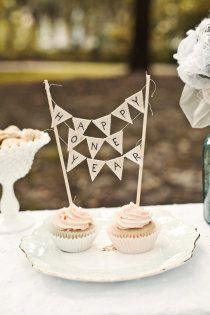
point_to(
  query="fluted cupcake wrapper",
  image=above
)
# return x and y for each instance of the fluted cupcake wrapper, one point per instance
(134, 245)
(73, 241)
(74, 245)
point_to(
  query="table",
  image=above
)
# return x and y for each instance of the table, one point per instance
(182, 291)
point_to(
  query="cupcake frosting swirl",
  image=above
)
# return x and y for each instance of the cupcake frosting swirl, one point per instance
(132, 216)
(72, 218)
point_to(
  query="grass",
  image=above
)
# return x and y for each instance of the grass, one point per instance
(32, 71)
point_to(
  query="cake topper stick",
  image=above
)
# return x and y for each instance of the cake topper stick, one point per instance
(144, 130)
(47, 88)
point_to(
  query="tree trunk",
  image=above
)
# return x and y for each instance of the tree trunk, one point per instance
(139, 59)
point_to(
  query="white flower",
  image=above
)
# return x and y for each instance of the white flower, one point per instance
(186, 46)
(193, 56)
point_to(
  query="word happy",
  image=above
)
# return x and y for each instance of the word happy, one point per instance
(103, 123)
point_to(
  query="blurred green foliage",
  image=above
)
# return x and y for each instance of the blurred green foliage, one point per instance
(170, 20)
(91, 29)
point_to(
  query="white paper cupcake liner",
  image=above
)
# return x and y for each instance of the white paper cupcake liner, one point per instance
(128, 245)
(74, 245)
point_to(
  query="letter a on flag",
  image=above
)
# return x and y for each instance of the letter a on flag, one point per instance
(59, 116)
(75, 158)
(116, 165)
(80, 124)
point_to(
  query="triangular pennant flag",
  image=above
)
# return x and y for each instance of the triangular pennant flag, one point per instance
(94, 167)
(74, 138)
(94, 145)
(59, 116)
(123, 113)
(80, 124)
(116, 141)
(135, 155)
(75, 158)
(116, 165)
(137, 101)
(104, 124)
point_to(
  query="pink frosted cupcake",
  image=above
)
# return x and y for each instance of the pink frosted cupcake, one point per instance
(73, 229)
(134, 231)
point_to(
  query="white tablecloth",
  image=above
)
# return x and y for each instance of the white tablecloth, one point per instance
(182, 291)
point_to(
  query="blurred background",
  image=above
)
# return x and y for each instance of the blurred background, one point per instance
(99, 51)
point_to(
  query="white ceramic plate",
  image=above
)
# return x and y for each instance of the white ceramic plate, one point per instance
(101, 263)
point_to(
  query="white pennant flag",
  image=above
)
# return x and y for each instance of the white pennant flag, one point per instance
(135, 155)
(80, 124)
(75, 158)
(116, 165)
(94, 167)
(59, 116)
(74, 138)
(137, 101)
(94, 145)
(116, 141)
(123, 113)
(104, 124)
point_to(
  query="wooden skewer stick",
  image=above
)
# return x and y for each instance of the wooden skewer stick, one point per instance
(144, 130)
(49, 98)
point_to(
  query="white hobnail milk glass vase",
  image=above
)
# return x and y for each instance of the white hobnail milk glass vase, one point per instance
(15, 163)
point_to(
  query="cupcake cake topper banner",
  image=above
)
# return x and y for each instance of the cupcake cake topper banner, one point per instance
(76, 136)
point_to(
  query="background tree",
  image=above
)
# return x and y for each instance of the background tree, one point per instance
(140, 48)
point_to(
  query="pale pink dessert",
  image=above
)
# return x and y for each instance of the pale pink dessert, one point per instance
(132, 216)
(134, 231)
(13, 136)
(72, 218)
(73, 229)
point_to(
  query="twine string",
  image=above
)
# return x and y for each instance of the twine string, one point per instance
(155, 87)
